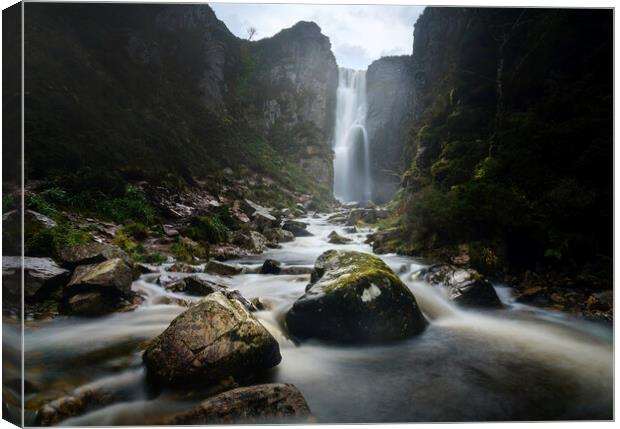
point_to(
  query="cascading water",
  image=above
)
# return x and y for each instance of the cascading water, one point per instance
(352, 180)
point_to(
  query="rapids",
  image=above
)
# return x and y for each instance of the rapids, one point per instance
(519, 363)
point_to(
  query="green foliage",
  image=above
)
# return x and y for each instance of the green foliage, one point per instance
(136, 230)
(186, 250)
(207, 228)
(136, 251)
(51, 241)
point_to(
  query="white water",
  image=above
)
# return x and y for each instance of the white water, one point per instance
(519, 363)
(352, 180)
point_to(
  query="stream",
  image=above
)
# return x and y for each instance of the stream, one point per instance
(518, 363)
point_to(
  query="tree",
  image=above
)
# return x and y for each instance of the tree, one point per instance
(251, 32)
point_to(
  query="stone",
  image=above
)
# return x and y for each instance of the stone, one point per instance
(270, 266)
(278, 235)
(465, 287)
(216, 267)
(182, 267)
(90, 304)
(335, 238)
(298, 229)
(275, 403)
(42, 277)
(251, 241)
(214, 339)
(354, 297)
(91, 253)
(296, 270)
(113, 276)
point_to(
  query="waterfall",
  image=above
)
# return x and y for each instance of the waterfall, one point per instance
(351, 145)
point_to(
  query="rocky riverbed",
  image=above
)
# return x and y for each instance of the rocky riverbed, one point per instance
(183, 340)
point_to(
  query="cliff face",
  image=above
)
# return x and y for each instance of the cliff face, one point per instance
(391, 101)
(154, 91)
(510, 145)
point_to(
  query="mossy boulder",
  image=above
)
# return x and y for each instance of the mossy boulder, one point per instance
(214, 339)
(252, 241)
(271, 266)
(354, 297)
(298, 229)
(278, 235)
(262, 404)
(221, 268)
(335, 238)
(465, 286)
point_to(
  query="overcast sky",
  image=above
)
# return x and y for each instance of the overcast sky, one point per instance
(359, 34)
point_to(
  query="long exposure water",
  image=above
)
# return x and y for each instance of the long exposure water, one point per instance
(518, 363)
(351, 146)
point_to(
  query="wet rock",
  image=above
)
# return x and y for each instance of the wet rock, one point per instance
(113, 276)
(146, 268)
(261, 216)
(73, 405)
(182, 267)
(335, 238)
(216, 267)
(350, 230)
(194, 285)
(42, 277)
(91, 253)
(169, 231)
(262, 404)
(384, 241)
(338, 218)
(298, 229)
(366, 216)
(278, 235)
(223, 252)
(251, 241)
(90, 304)
(465, 286)
(214, 339)
(260, 304)
(270, 266)
(296, 270)
(354, 297)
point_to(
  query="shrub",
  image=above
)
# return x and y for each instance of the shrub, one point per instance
(137, 230)
(51, 241)
(185, 250)
(209, 229)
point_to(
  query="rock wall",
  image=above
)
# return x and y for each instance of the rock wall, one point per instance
(391, 100)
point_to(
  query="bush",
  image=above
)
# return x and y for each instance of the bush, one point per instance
(51, 241)
(136, 251)
(137, 230)
(208, 229)
(185, 250)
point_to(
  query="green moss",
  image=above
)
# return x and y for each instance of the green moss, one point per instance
(186, 250)
(51, 241)
(208, 229)
(137, 230)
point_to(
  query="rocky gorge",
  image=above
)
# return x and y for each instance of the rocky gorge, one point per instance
(186, 261)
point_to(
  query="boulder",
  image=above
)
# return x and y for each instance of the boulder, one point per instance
(335, 238)
(252, 241)
(466, 287)
(194, 285)
(366, 216)
(350, 230)
(42, 276)
(270, 266)
(182, 267)
(385, 240)
(278, 235)
(298, 229)
(262, 404)
(73, 405)
(91, 253)
(354, 297)
(216, 267)
(143, 268)
(261, 216)
(90, 304)
(113, 277)
(214, 339)
(296, 270)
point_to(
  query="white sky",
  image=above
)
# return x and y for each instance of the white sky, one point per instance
(359, 34)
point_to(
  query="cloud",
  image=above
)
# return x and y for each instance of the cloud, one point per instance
(359, 34)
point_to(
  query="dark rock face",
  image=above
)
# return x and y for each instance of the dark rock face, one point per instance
(262, 404)
(390, 95)
(214, 339)
(466, 287)
(298, 229)
(354, 297)
(42, 276)
(270, 266)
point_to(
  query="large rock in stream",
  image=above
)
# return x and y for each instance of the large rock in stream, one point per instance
(216, 338)
(42, 276)
(354, 297)
(465, 286)
(262, 404)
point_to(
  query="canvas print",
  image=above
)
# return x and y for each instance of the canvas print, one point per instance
(306, 214)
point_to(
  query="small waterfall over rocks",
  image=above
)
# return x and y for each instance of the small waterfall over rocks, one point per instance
(352, 180)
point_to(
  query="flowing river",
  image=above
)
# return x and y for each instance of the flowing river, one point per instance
(518, 363)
